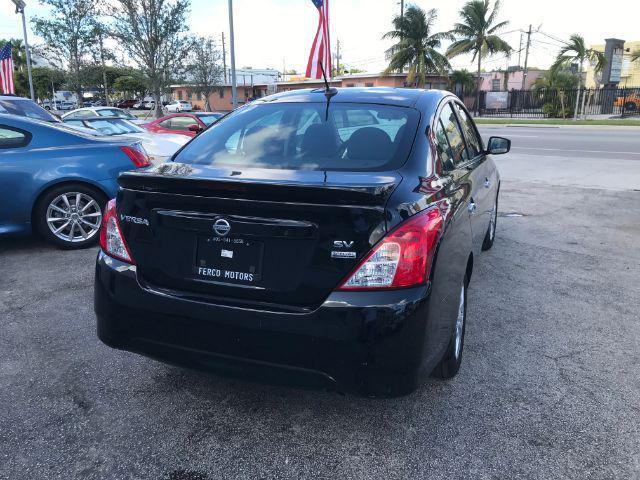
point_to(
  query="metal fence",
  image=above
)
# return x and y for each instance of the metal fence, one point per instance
(552, 103)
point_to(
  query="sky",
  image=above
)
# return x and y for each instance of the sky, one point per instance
(278, 33)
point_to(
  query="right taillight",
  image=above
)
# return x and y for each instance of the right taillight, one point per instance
(111, 240)
(137, 155)
(401, 259)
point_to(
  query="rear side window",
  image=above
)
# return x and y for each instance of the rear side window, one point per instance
(13, 138)
(182, 123)
(454, 135)
(443, 147)
(25, 108)
(470, 134)
(358, 137)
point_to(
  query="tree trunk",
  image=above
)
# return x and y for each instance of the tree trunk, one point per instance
(575, 111)
(478, 86)
(157, 99)
(207, 105)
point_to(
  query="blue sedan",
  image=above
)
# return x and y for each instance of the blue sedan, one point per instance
(55, 181)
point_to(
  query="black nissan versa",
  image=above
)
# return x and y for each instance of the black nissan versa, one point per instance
(324, 238)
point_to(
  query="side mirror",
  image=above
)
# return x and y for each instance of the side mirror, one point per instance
(195, 128)
(498, 145)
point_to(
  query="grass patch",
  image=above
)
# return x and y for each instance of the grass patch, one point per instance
(557, 121)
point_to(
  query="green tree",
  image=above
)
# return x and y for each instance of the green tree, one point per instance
(133, 84)
(476, 33)
(153, 34)
(416, 47)
(576, 51)
(461, 81)
(553, 86)
(45, 80)
(204, 68)
(68, 35)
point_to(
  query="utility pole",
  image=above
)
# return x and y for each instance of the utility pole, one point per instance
(234, 88)
(526, 57)
(402, 8)
(338, 58)
(224, 58)
(520, 50)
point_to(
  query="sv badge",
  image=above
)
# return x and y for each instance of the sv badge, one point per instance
(342, 244)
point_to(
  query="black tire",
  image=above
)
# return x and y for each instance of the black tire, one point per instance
(85, 207)
(490, 236)
(630, 106)
(452, 358)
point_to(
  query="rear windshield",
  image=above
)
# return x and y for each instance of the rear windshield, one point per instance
(25, 108)
(346, 136)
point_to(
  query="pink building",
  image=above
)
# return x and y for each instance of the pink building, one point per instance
(504, 81)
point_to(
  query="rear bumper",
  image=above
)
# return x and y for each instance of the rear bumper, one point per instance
(359, 342)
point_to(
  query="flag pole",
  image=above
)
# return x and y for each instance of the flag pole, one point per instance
(234, 88)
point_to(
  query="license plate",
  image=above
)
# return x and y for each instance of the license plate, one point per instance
(230, 260)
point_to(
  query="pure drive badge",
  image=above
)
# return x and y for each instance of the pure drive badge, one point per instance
(341, 254)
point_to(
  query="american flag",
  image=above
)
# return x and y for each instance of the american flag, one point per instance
(6, 70)
(321, 48)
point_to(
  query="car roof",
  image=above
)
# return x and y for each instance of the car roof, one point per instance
(401, 97)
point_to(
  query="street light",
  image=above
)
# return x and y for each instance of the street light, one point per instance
(20, 9)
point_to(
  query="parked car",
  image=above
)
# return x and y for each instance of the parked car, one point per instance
(25, 107)
(126, 103)
(630, 102)
(97, 112)
(59, 105)
(159, 147)
(179, 106)
(189, 124)
(331, 242)
(56, 181)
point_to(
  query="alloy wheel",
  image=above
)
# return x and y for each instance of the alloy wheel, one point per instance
(74, 217)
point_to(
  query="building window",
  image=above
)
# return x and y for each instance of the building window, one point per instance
(190, 95)
(179, 94)
(221, 93)
(350, 85)
(368, 84)
(198, 96)
(495, 85)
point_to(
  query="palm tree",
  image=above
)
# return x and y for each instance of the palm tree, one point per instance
(576, 51)
(460, 81)
(416, 49)
(476, 34)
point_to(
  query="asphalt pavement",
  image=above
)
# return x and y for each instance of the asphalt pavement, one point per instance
(549, 386)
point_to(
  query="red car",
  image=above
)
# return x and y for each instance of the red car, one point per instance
(126, 103)
(189, 124)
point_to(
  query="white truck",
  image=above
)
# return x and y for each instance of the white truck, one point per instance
(62, 100)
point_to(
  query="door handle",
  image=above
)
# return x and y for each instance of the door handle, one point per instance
(487, 182)
(471, 207)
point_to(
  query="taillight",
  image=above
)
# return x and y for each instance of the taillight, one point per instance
(137, 155)
(111, 238)
(402, 258)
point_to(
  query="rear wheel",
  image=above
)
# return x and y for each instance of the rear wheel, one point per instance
(450, 363)
(70, 215)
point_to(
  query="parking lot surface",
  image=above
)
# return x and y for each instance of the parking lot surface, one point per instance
(549, 385)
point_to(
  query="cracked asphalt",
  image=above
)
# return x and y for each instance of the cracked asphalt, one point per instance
(549, 387)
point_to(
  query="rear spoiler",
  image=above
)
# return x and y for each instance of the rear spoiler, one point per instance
(314, 187)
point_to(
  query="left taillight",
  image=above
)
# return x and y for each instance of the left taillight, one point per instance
(402, 259)
(111, 239)
(137, 155)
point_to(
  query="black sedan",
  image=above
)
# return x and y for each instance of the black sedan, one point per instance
(324, 238)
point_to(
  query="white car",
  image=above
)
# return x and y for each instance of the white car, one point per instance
(59, 105)
(159, 146)
(97, 112)
(179, 106)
